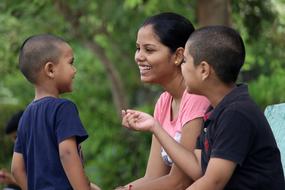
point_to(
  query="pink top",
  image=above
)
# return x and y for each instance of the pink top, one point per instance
(191, 107)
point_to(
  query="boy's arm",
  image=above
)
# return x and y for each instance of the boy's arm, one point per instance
(214, 179)
(179, 154)
(176, 178)
(18, 170)
(72, 165)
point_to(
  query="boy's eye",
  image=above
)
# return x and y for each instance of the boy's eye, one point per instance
(71, 61)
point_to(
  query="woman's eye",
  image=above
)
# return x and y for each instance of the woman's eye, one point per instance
(149, 50)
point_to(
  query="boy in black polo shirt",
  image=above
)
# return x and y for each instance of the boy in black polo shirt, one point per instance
(237, 149)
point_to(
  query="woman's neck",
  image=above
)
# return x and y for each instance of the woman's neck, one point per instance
(175, 87)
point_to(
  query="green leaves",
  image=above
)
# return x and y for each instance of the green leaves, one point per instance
(110, 150)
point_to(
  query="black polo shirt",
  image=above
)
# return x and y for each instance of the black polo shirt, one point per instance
(238, 131)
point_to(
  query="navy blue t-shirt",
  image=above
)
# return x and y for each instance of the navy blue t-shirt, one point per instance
(45, 123)
(238, 131)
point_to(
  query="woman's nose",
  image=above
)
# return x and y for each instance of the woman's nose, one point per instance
(139, 56)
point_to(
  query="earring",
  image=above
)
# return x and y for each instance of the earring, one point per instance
(176, 62)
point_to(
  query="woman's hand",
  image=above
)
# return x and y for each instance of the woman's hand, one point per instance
(6, 177)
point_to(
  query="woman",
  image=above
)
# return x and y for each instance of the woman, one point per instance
(160, 46)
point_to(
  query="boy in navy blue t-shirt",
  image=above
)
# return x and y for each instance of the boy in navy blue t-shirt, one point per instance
(47, 152)
(236, 149)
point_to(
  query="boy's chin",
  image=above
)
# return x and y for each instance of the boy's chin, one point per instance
(66, 91)
(189, 90)
(192, 91)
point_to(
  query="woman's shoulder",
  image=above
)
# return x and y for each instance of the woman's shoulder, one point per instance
(163, 101)
(194, 97)
(164, 96)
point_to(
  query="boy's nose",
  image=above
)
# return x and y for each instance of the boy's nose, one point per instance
(74, 69)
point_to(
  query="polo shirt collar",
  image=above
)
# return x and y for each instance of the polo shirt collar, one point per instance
(238, 92)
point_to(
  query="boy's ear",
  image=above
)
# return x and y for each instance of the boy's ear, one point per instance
(49, 69)
(205, 70)
(179, 56)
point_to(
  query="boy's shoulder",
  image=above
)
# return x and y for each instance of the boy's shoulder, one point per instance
(50, 99)
(50, 103)
(63, 101)
(244, 107)
(239, 102)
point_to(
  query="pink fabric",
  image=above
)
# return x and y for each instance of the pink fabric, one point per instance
(191, 107)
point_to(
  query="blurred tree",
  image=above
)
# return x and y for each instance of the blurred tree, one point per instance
(260, 24)
(102, 34)
(214, 12)
(77, 15)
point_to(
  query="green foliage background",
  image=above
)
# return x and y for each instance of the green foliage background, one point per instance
(113, 155)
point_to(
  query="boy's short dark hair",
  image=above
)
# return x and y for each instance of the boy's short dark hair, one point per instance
(12, 124)
(221, 47)
(36, 51)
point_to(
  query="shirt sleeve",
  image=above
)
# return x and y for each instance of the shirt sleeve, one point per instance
(194, 107)
(159, 108)
(233, 137)
(17, 145)
(68, 123)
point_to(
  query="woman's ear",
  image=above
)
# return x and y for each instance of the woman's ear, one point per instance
(178, 58)
(49, 69)
(205, 70)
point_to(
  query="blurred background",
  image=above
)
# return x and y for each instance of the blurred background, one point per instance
(102, 34)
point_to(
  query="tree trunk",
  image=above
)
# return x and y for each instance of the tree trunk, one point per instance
(118, 92)
(213, 12)
(117, 89)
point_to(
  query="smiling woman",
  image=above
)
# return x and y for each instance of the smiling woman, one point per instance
(160, 46)
(155, 60)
